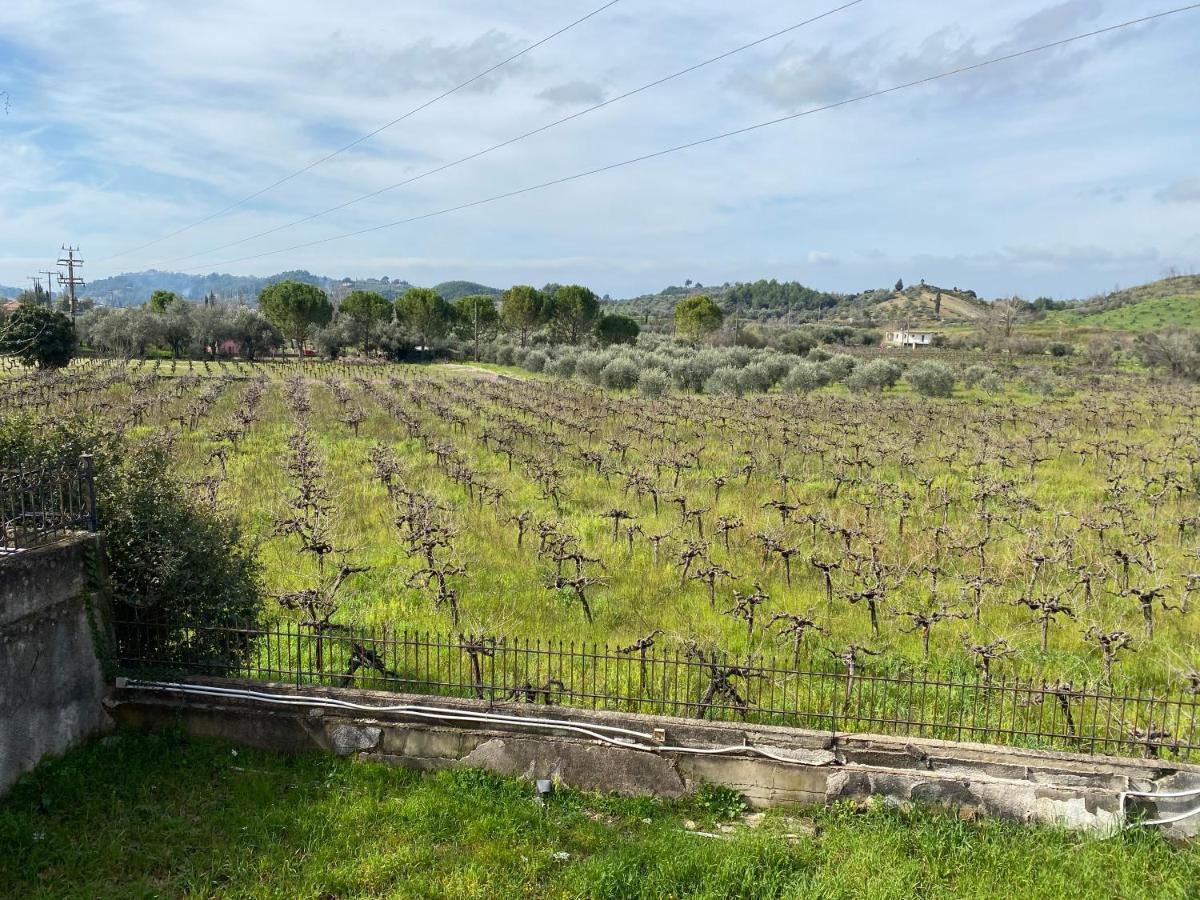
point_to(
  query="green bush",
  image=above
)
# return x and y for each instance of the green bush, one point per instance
(620, 374)
(973, 375)
(172, 563)
(841, 365)
(757, 378)
(931, 378)
(806, 377)
(38, 337)
(877, 375)
(563, 366)
(535, 361)
(653, 383)
(992, 383)
(589, 365)
(725, 380)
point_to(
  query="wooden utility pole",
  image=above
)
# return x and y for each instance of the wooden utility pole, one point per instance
(71, 279)
(49, 286)
(37, 286)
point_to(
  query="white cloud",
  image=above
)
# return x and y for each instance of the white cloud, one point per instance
(165, 116)
(1185, 190)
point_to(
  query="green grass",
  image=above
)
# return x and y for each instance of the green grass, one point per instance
(1149, 315)
(137, 815)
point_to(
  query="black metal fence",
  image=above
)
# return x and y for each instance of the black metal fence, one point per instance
(698, 684)
(42, 504)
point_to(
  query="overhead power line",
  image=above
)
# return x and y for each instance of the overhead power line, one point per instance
(949, 73)
(513, 140)
(365, 137)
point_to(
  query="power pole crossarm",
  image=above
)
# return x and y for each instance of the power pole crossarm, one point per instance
(71, 279)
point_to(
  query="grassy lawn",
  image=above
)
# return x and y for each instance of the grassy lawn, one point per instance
(135, 815)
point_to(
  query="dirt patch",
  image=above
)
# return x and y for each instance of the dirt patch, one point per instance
(481, 374)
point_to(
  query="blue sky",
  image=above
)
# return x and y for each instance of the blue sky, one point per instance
(1064, 174)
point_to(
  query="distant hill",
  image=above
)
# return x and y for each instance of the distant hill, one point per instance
(452, 290)
(9, 291)
(1163, 289)
(135, 288)
(790, 302)
(1165, 303)
(927, 303)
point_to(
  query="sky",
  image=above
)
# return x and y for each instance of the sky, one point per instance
(1063, 174)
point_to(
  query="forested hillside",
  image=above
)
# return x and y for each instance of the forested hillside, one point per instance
(135, 288)
(790, 302)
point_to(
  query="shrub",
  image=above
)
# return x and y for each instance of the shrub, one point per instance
(992, 383)
(756, 378)
(653, 383)
(806, 377)
(504, 354)
(38, 336)
(535, 361)
(563, 367)
(1059, 348)
(725, 380)
(931, 378)
(1043, 383)
(589, 365)
(876, 375)
(692, 374)
(174, 563)
(816, 354)
(171, 562)
(840, 365)
(620, 374)
(973, 375)
(777, 366)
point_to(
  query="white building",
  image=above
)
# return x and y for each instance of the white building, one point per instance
(909, 339)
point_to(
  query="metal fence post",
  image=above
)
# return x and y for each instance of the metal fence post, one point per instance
(89, 482)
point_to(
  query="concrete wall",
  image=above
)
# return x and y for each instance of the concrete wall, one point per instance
(51, 682)
(1075, 791)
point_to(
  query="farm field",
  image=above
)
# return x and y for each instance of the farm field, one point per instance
(187, 817)
(1053, 538)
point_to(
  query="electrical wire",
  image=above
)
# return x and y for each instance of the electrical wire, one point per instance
(365, 137)
(604, 733)
(949, 73)
(513, 140)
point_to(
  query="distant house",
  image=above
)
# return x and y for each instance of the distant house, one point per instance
(9, 305)
(910, 339)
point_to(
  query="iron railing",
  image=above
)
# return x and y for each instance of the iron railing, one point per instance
(43, 504)
(819, 695)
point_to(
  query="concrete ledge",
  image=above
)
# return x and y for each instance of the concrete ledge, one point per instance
(1073, 791)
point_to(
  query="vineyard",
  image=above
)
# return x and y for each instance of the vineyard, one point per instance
(977, 537)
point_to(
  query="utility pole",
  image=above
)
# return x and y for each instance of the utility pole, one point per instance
(71, 280)
(49, 286)
(37, 286)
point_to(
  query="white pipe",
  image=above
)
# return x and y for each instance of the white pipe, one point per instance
(594, 731)
(1167, 795)
(445, 714)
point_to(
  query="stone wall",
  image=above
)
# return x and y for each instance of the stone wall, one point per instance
(51, 682)
(1070, 790)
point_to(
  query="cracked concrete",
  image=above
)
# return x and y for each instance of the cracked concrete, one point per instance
(1073, 791)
